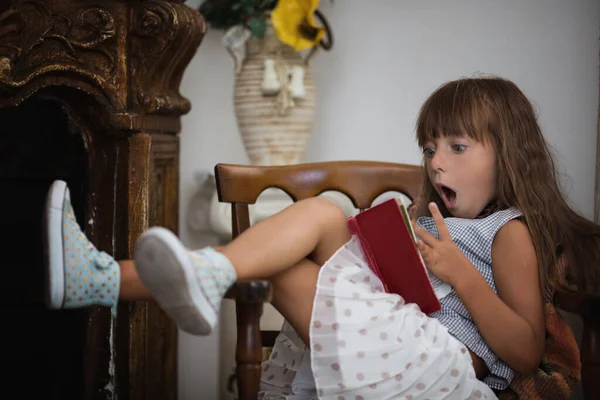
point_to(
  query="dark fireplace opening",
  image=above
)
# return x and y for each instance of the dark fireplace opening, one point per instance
(38, 144)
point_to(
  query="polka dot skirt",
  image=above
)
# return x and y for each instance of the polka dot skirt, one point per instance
(369, 344)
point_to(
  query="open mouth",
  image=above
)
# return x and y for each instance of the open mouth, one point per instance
(448, 195)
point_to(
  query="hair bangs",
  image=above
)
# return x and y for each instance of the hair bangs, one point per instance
(455, 109)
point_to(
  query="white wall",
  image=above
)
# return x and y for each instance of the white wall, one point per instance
(388, 56)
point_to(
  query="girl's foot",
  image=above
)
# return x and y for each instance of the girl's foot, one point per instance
(188, 285)
(77, 274)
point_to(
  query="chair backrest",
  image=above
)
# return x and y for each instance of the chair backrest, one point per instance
(361, 181)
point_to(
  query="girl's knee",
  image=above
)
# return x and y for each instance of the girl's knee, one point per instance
(333, 228)
(330, 224)
(327, 212)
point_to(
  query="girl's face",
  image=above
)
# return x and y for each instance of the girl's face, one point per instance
(463, 172)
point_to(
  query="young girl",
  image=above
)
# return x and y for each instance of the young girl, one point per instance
(491, 223)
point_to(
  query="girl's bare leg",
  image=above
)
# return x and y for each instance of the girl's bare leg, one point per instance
(131, 288)
(293, 294)
(288, 249)
(313, 228)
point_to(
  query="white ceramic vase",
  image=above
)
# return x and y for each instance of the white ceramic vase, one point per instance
(274, 99)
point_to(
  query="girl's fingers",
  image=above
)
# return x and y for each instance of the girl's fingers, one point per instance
(439, 222)
(424, 236)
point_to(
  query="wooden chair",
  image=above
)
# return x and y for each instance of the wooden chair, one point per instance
(362, 182)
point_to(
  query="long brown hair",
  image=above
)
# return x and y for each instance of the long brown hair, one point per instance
(496, 111)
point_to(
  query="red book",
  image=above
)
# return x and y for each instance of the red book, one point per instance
(388, 241)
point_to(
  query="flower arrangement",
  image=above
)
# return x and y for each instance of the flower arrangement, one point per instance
(293, 20)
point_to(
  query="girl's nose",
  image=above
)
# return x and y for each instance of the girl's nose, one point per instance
(438, 162)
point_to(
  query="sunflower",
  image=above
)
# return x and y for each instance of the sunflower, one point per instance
(294, 23)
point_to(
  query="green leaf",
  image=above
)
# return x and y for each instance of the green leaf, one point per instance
(258, 26)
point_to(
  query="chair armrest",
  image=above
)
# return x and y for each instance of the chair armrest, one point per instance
(251, 291)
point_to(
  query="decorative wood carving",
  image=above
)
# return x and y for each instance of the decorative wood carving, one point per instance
(133, 71)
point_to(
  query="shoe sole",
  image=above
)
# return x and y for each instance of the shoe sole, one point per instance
(54, 284)
(165, 269)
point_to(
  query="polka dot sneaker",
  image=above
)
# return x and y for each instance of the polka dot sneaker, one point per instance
(77, 274)
(188, 285)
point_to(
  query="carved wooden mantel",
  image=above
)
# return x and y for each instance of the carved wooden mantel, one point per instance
(128, 57)
(89, 93)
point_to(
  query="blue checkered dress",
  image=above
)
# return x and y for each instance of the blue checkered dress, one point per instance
(474, 238)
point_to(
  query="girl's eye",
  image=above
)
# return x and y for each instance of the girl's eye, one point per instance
(459, 148)
(428, 152)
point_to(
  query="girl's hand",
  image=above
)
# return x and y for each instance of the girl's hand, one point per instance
(441, 255)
